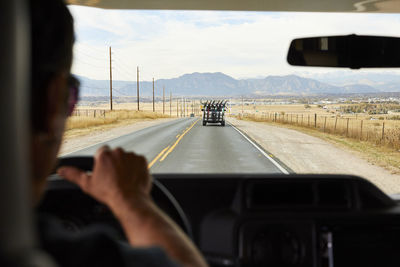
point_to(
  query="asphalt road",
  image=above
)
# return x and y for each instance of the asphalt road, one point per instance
(185, 146)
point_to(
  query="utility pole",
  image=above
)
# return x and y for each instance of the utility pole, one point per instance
(110, 81)
(182, 108)
(242, 105)
(170, 103)
(177, 107)
(163, 100)
(137, 88)
(153, 97)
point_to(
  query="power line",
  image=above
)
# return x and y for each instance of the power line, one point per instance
(121, 62)
(121, 69)
(121, 76)
(91, 87)
(153, 96)
(130, 75)
(89, 64)
(120, 92)
(110, 80)
(124, 68)
(91, 48)
(115, 63)
(137, 80)
(100, 88)
(88, 55)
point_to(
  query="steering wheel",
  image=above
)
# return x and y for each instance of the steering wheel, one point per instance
(160, 194)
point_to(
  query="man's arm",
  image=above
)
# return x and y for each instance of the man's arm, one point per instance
(122, 182)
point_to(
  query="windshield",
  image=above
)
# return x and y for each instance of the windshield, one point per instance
(211, 92)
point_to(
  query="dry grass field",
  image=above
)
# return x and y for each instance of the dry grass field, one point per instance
(376, 136)
(98, 117)
(176, 108)
(252, 109)
(379, 129)
(90, 119)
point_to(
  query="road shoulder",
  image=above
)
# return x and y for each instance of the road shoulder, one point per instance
(72, 144)
(308, 154)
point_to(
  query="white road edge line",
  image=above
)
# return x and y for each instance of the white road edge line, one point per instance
(262, 151)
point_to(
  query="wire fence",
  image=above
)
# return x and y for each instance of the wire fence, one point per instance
(379, 132)
(95, 113)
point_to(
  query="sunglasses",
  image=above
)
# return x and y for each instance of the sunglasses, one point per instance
(73, 97)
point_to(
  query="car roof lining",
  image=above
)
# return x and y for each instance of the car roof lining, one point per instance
(381, 6)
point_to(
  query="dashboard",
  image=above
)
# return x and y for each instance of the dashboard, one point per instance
(261, 220)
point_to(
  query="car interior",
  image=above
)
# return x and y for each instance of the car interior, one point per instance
(235, 219)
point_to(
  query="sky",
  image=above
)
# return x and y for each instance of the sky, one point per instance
(168, 44)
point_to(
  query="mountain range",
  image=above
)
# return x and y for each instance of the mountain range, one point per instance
(220, 84)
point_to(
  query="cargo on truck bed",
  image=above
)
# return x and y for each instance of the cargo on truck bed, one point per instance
(214, 111)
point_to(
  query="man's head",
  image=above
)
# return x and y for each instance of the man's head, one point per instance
(52, 38)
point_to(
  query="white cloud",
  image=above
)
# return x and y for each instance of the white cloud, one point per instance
(167, 44)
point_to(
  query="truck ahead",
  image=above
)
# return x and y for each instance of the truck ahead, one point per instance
(214, 112)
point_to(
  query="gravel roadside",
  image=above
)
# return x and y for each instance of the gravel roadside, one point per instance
(307, 154)
(73, 144)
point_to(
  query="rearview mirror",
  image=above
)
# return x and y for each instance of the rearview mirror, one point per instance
(351, 51)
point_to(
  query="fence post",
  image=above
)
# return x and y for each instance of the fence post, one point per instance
(275, 116)
(334, 129)
(361, 126)
(315, 120)
(297, 119)
(302, 115)
(347, 128)
(94, 113)
(383, 132)
(308, 120)
(324, 123)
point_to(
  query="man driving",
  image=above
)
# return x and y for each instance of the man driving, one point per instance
(119, 179)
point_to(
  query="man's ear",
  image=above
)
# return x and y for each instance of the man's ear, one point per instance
(55, 109)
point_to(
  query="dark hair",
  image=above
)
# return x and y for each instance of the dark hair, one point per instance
(52, 38)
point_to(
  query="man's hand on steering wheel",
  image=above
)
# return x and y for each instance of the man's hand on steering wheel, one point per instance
(118, 177)
(121, 180)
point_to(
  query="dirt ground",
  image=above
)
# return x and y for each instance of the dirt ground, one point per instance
(307, 154)
(72, 144)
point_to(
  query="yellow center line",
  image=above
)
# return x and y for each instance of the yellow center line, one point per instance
(157, 157)
(178, 140)
(177, 136)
